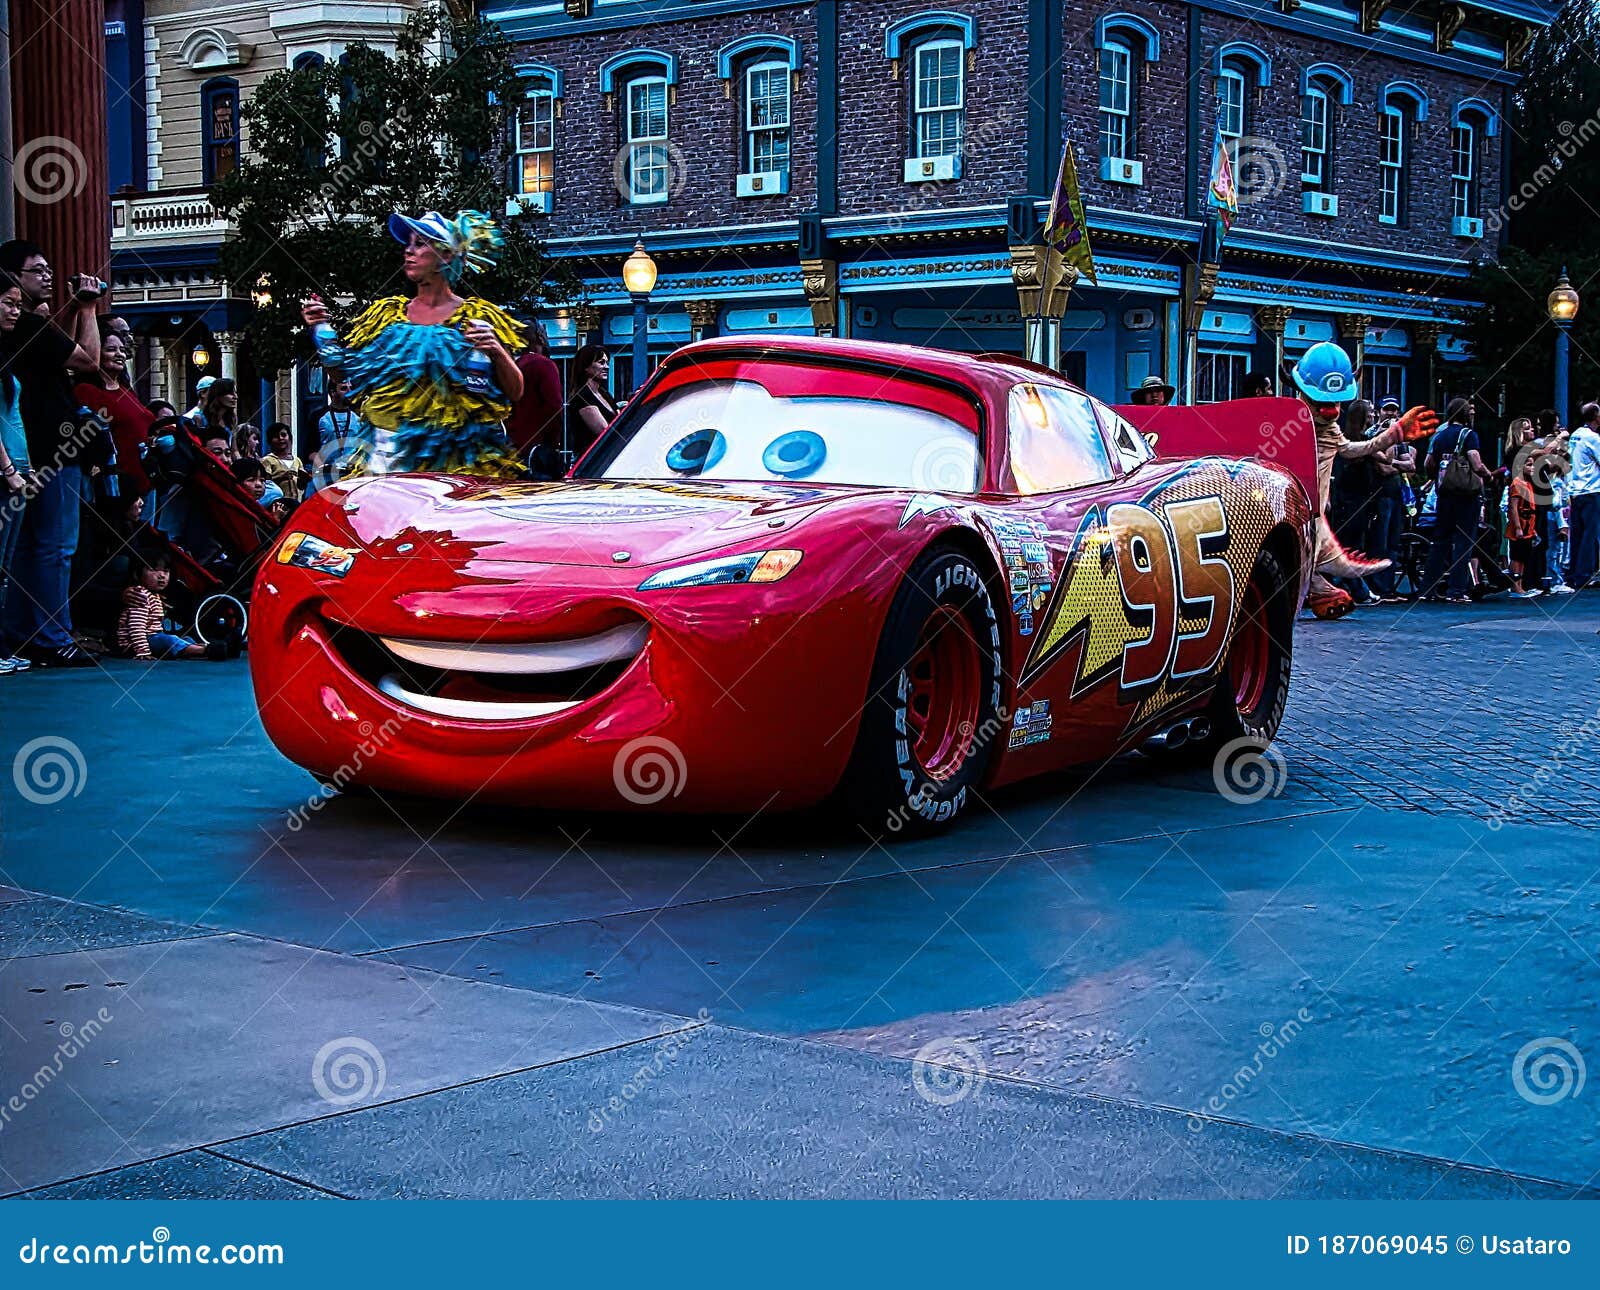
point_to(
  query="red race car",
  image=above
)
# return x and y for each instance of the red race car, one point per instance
(797, 569)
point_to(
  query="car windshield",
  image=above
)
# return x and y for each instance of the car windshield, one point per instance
(754, 421)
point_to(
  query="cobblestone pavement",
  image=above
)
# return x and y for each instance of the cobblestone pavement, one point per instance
(1492, 710)
(1377, 979)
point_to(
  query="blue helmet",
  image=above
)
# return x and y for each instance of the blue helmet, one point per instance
(1325, 375)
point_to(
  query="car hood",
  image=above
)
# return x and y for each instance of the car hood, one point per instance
(574, 522)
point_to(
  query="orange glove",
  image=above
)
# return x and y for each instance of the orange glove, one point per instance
(1418, 423)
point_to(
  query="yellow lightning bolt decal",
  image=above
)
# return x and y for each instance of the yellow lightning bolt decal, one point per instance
(1087, 607)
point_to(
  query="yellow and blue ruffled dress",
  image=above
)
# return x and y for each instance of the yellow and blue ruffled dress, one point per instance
(410, 380)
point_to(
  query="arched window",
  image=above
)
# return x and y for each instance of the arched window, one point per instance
(640, 82)
(1239, 67)
(648, 164)
(308, 59)
(1323, 86)
(937, 44)
(764, 66)
(1127, 44)
(219, 116)
(1401, 107)
(533, 142)
(1472, 125)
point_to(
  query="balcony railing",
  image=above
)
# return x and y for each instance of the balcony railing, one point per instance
(155, 219)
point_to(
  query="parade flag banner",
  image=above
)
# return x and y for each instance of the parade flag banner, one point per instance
(1223, 194)
(1066, 231)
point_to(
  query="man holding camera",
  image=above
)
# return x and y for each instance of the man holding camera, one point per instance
(41, 354)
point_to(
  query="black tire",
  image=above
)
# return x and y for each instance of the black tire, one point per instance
(1268, 606)
(887, 785)
(221, 617)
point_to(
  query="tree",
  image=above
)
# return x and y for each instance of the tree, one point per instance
(334, 149)
(1552, 221)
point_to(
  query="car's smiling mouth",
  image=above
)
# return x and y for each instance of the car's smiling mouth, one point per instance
(492, 681)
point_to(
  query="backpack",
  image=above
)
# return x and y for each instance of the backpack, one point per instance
(1458, 476)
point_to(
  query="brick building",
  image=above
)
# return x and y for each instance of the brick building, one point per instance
(878, 168)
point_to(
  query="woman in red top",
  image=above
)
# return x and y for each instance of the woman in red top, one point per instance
(1522, 527)
(122, 410)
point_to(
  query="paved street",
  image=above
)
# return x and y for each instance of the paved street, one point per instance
(1122, 985)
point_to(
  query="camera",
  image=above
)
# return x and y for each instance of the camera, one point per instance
(86, 287)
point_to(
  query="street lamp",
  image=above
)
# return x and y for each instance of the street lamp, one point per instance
(639, 277)
(201, 357)
(1562, 306)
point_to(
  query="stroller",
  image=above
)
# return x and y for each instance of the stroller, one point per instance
(1487, 577)
(225, 535)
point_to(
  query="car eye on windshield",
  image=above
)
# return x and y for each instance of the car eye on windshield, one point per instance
(796, 454)
(697, 451)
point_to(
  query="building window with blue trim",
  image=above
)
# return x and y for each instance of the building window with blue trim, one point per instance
(219, 102)
(1392, 178)
(1219, 375)
(1463, 171)
(648, 162)
(1117, 141)
(938, 98)
(767, 115)
(1380, 381)
(533, 140)
(1316, 140)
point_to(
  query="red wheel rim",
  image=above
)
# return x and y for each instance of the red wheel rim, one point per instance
(946, 680)
(1250, 652)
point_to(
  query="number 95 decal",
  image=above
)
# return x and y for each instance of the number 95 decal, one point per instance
(1172, 572)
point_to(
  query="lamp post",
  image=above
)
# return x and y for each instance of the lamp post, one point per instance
(1562, 306)
(639, 277)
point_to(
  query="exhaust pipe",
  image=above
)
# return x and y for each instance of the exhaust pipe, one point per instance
(1200, 728)
(1174, 736)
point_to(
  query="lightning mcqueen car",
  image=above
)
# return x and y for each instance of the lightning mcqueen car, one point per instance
(795, 570)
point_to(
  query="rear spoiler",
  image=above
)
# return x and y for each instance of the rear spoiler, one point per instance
(1275, 431)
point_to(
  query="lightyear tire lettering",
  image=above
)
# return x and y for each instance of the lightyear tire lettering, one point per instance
(885, 786)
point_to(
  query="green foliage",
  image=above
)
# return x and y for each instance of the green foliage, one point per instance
(1553, 136)
(1552, 139)
(1512, 337)
(333, 150)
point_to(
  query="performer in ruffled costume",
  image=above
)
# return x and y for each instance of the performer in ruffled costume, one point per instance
(434, 374)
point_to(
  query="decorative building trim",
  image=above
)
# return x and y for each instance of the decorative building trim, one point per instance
(630, 58)
(904, 32)
(1244, 52)
(1329, 74)
(552, 74)
(152, 101)
(1406, 90)
(785, 47)
(1474, 107)
(1106, 26)
(212, 49)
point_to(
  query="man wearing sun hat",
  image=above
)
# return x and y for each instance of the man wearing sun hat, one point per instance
(1152, 392)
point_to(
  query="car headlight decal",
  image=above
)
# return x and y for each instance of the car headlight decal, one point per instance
(757, 566)
(302, 551)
